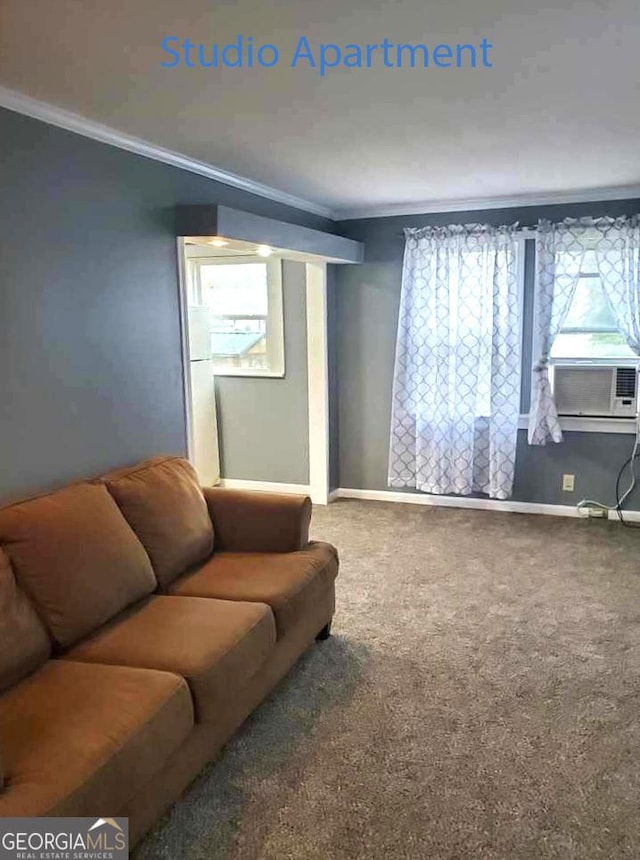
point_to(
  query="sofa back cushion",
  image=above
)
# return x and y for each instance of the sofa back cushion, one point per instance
(164, 505)
(76, 557)
(24, 642)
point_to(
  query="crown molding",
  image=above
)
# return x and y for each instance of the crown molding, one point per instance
(435, 207)
(70, 121)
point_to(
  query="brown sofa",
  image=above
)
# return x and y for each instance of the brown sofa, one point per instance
(141, 620)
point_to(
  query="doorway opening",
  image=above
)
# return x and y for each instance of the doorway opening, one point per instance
(239, 343)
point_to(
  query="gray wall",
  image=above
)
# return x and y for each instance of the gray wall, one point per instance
(365, 333)
(263, 424)
(90, 366)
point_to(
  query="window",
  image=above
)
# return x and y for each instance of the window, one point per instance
(589, 331)
(244, 299)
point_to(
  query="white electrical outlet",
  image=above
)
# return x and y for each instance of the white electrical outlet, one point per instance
(568, 483)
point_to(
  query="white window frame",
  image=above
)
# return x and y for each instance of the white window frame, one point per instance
(274, 320)
(602, 361)
(576, 423)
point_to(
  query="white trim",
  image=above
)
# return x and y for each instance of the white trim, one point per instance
(586, 424)
(184, 348)
(318, 381)
(247, 372)
(598, 425)
(521, 248)
(434, 207)
(265, 486)
(62, 118)
(275, 318)
(473, 503)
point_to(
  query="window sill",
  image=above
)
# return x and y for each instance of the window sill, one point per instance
(583, 424)
(251, 374)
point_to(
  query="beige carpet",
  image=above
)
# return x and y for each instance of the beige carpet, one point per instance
(480, 698)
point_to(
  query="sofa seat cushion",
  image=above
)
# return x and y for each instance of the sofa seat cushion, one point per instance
(216, 645)
(162, 501)
(81, 740)
(290, 583)
(76, 557)
(24, 643)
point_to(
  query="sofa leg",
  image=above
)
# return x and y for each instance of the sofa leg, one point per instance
(324, 633)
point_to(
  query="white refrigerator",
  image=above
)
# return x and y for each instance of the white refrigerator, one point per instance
(204, 426)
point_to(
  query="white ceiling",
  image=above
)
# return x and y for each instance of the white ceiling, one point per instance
(558, 113)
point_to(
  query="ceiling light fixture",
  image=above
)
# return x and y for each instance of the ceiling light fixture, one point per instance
(264, 251)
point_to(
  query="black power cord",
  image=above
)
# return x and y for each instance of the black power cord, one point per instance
(619, 501)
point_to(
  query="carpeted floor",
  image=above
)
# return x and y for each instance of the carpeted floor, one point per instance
(480, 698)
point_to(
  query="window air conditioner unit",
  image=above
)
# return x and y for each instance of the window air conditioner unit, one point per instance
(598, 391)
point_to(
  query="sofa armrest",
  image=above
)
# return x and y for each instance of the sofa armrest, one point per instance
(246, 521)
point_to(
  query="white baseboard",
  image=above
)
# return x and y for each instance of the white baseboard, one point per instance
(471, 503)
(422, 499)
(265, 486)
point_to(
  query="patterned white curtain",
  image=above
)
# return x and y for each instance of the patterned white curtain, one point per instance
(560, 251)
(618, 255)
(456, 389)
